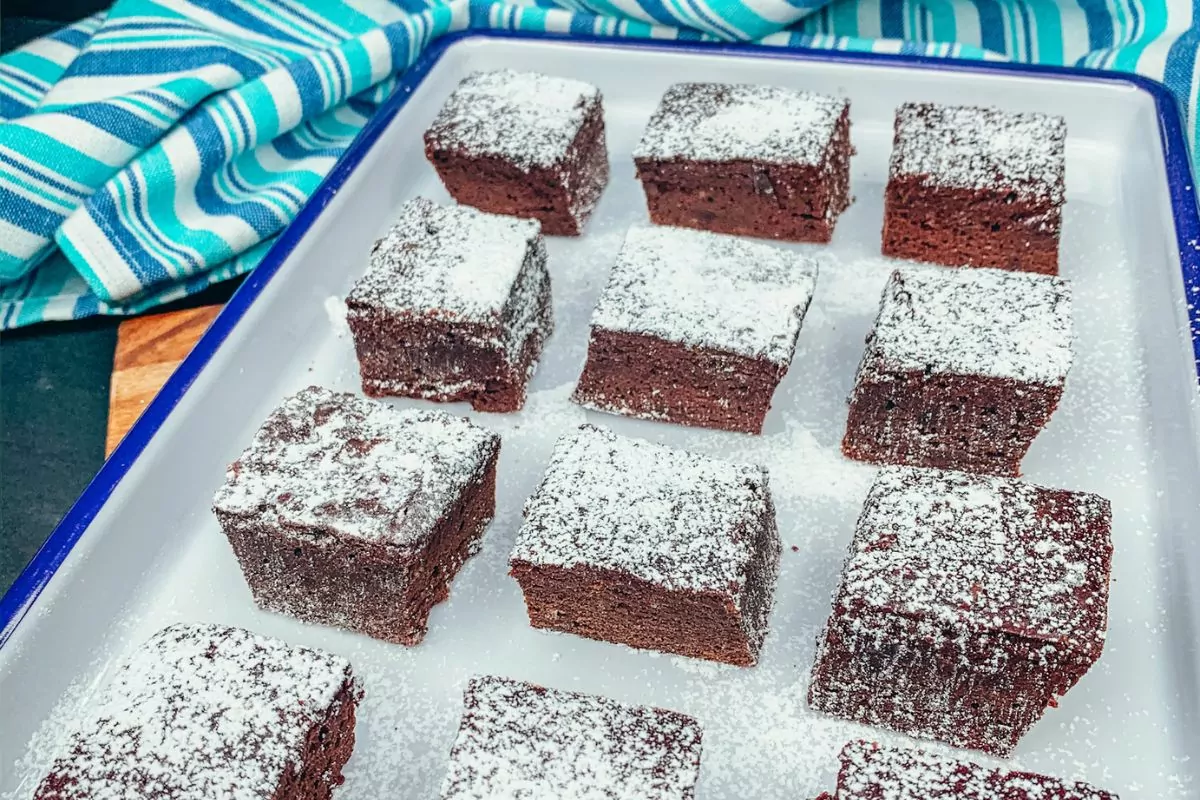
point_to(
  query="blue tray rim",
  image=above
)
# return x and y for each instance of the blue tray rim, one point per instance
(24, 592)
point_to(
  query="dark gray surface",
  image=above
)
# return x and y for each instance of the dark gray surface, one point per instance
(53, 411)
(53, 380)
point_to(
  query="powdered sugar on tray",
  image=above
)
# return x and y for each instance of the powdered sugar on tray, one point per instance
(203, 711)
(989, 322)
(525, 118)
(678, 520)
(516, 736)
(335, 310)
(708, 290)
(981, 148)
(451, 261)
(732, 122)
(326, 461)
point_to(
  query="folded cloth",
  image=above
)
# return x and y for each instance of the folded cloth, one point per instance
(153, 150)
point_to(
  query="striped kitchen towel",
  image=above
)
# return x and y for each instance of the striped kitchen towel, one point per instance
(156, 149)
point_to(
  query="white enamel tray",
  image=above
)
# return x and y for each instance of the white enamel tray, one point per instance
(142, 550)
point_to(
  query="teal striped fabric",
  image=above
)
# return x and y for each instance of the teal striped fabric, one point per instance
(154, 150)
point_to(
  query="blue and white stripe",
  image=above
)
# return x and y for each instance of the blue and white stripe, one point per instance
(151, 151)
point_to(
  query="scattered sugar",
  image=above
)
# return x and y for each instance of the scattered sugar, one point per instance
(729, 122)
(325, 461)
(987, 322)
(199, 710)
(335, 310)
(516, 736)
(978, 148)
(801, 466)
(673, 518)
(525, 118)
(51, 738)
(708, 290)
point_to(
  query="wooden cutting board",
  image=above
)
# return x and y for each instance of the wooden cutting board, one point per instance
(148, 351)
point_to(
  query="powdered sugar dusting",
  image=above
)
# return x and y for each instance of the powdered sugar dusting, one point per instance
(522, 740)
(525, 118)
(731, 122)
(676, 519)
(988, 322)
(203, 711)
(980, 148)
(709, 290)
(872, 772)
(450, 261)
(335, 310)
(992, 553)
(325, 461)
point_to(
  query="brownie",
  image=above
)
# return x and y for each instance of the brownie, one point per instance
(455, 305)
(747, 160)
(347, 512)
(975, 187)
(967, 604)
(523, 144)
(962, 369)
(639, 544)
(871, 772)
(519, 740)
(695, 328)
(207, 712)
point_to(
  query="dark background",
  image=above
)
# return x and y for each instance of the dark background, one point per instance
(53, 377)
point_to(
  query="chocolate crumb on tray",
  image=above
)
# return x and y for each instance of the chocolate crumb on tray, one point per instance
(872, 772)
(207, 712)
(344, 511)
(962, 369)
(967, 605)
(454, 305)
(524, 144)
(636, 543)
(695, 328)
(747, 160)
(976, 187)
(520, 740)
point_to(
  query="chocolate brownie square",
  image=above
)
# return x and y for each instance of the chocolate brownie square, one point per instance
(207, 712)
(967, 604)
(348, 512)
(523, 144)
(975, 187)
(636, 543)
(520, 740)
(962, 369)
(695, 328)
(871, 772)
(455, 305)
(747, 160)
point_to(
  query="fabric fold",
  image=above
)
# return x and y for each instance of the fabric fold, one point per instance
(151, 151)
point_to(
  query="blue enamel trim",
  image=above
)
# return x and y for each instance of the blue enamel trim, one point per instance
(29, 585)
